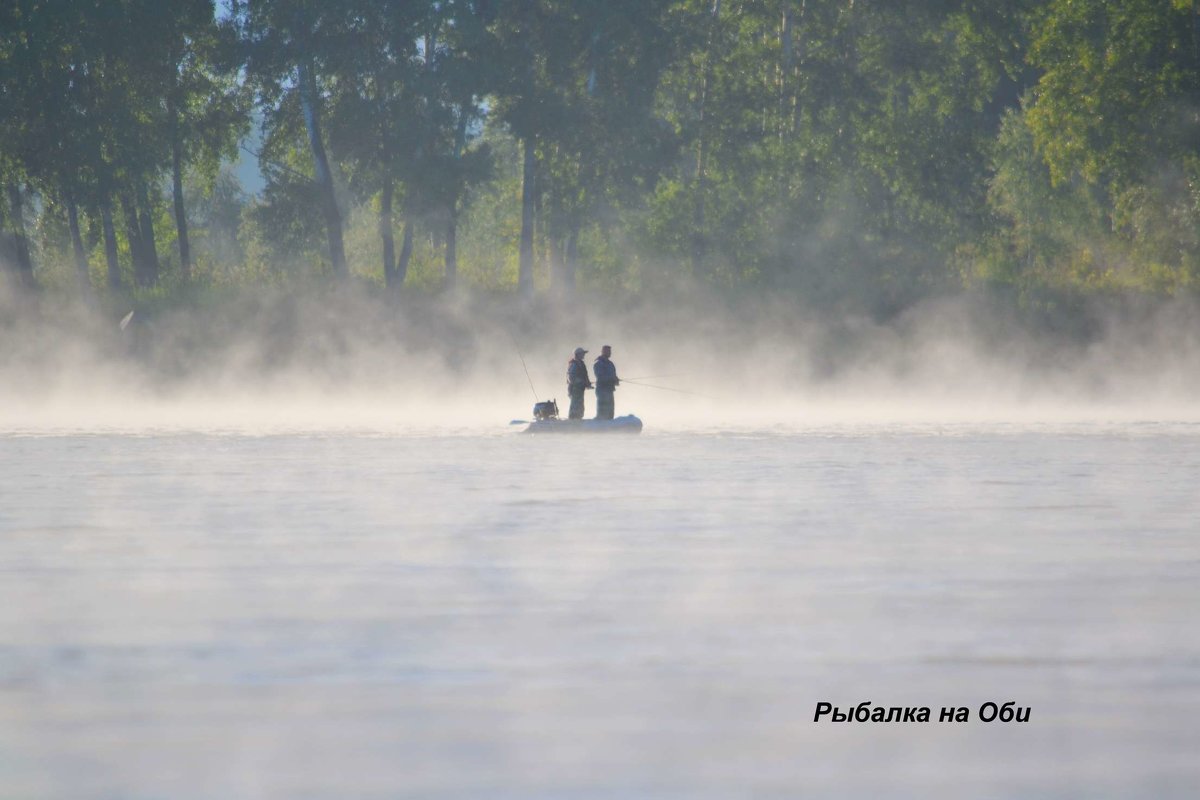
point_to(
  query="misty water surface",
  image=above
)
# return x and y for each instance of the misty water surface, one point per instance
(481, 614)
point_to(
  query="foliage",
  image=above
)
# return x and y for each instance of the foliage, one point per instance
(847, 154)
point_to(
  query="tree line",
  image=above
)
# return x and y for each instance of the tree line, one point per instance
(853, 152)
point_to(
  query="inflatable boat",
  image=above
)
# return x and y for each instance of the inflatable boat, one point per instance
(626, 424)
(546, 420)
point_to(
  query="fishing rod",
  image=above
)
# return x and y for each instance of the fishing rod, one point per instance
(517, 347)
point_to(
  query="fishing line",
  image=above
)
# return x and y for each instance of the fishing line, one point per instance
(667, 389)
(651, 377)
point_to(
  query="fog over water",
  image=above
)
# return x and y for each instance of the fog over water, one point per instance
(301, 552)
(344, 361)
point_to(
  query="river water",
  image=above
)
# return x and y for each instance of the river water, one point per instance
(472, 613)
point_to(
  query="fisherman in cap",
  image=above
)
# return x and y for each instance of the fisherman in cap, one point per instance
(577, 383)
(606, 383)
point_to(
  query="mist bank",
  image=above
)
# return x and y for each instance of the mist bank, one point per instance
(342, 358)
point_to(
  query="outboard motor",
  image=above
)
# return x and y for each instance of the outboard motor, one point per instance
(547, 409)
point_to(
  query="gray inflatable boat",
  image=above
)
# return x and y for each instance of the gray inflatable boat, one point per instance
(626, 424)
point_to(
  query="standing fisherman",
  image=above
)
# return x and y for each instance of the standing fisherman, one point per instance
(577, 383)
(606, 383)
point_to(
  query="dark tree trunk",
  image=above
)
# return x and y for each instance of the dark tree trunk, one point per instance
(785, 66)
(149, 246)
(699, 238)
(460, 142)
(181, 226)
(329, 208)
(110, 244)
(543, 244)
(570, 260)
(134, 234)
(16, 208)
(1195, 31)
(385, 233)
(452, 246)
(552, 257)
(528, 190)
(406, 248)
(8, 245)
(81, 262)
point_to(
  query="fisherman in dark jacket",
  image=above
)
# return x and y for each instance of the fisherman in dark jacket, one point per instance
(606, 383)
(577, 383)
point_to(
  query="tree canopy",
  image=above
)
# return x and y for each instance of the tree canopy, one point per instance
(845, 153)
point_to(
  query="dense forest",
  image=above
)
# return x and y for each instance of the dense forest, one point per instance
(844, 153)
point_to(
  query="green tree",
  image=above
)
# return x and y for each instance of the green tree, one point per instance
(531, 53)
(206, 110)
(837, 148)
(289, 48)
(375, 109)
(1116, 106)
(610, 146)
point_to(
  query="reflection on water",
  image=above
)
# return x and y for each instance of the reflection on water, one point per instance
(432, 615)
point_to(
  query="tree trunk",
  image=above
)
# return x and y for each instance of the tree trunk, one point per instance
(528, 181)
(181, 226)
(786, 55)
(460, 142)
(570, 260)
(81, 262)
(406, 248)
(452, 245)
(110, 244)
(385, 233)
(543, 245)
(552, 256)
(1195, 31)
(134, 234)
(699, 239)
(798, 62)
(149, 246)
(8, 247)
(16, 208)
(312, 124)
